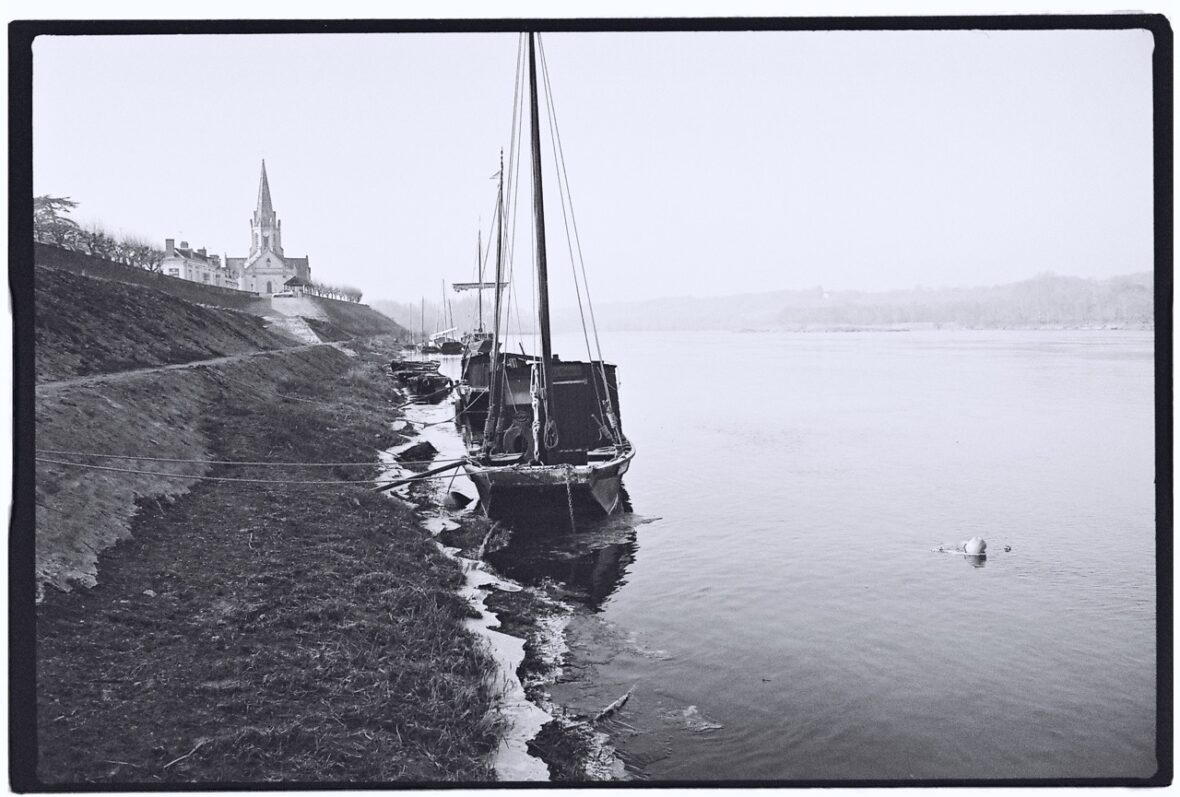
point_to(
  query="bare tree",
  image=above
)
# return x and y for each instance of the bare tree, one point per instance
(140, 252)
(341, 292)
(99, 243)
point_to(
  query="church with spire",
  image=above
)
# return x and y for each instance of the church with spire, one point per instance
(266, 269)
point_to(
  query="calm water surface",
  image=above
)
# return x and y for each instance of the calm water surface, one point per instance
(775, 599)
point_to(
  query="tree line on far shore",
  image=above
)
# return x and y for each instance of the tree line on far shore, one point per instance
(1045, 301)
(52, 225)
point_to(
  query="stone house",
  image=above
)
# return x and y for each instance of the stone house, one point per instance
(195, 265)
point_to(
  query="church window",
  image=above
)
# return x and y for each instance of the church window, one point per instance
(268, 290)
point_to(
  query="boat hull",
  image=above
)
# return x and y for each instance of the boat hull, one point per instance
(515, 490)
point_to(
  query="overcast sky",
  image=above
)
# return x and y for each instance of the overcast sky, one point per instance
(700, 163)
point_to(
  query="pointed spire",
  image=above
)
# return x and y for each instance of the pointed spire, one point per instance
(264, 206)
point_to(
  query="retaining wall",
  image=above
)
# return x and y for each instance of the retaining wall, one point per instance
(91, 266)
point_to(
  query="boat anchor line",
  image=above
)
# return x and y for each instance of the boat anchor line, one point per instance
(569, 498)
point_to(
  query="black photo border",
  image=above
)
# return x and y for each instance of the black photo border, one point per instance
(21, 609)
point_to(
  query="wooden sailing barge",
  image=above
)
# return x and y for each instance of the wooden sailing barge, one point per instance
(542, 432)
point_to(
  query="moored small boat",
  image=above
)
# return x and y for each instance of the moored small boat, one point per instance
(448, 346)
(422, 379)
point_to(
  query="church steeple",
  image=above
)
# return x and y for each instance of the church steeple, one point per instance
(266, 231)
(264, 205)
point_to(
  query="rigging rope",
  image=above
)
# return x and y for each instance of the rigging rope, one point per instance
(566, 215)
(514, 180)
(573, 217)
(507, 230)
(563, 173)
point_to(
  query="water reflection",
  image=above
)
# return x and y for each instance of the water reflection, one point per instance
(586, 565)
(976, 561)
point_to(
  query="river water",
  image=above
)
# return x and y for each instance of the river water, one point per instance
(775, 601)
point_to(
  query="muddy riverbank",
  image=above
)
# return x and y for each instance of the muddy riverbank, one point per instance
(265, 630)
(570, 743)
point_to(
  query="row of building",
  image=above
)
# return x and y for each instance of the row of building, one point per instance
(266, 270)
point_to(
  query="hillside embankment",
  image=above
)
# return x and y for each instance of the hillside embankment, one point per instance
(208, 622)
(94, 316)
(98, 268)
(83, 325)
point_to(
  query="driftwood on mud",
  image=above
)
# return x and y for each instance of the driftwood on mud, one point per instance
(615, 706)
(483, 544)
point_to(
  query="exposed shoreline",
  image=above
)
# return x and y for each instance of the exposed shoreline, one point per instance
(518, 719)
(542, 741)
(247, 634)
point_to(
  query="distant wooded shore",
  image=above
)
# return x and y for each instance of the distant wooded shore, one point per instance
(1047, 301)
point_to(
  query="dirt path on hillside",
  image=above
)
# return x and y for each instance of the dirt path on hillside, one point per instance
(95, 379)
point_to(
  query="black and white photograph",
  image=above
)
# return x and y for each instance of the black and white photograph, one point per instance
(659, 401)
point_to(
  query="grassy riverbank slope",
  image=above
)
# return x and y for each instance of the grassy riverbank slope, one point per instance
(84, 325)
(88, 325)
(237, 631)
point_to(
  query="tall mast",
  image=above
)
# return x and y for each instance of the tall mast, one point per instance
(499, 246)
(479, 267)
(539, 214)
(495, 398)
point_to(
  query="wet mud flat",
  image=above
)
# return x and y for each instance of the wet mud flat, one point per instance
(270, 633)
(568, 743)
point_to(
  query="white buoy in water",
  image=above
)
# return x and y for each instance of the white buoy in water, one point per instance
(976, 546)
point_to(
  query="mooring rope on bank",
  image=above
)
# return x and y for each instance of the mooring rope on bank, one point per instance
(424, 398)
(432, 423)
(239, 479)
(60, 452)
